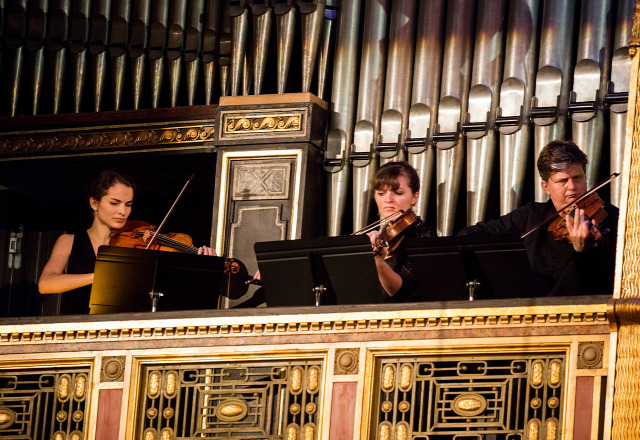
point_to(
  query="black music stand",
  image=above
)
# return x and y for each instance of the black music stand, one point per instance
(318, 271)
(471, 267)
(140, 280)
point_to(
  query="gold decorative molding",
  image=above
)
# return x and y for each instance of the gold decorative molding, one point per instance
(262, 123)
(298, 325)
(101, 138)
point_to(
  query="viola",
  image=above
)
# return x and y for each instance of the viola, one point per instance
(392, 231)
(594, 210)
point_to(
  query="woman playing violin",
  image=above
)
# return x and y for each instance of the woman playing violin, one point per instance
(70, 266)
(583, 263)
(396, 190)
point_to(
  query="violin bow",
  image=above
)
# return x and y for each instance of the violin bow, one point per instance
(575, 202)
(153, 237)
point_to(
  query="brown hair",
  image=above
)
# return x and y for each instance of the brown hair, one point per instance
(105, 180)
(388, 174)
(558, 156)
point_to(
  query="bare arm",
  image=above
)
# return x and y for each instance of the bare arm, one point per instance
(53, 278)
(391, 282)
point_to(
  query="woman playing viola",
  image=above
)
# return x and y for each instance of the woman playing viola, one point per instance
(397, 188)
(71, 264)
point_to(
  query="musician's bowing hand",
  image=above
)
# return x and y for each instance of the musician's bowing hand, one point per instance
(206, 250)
(578, 227)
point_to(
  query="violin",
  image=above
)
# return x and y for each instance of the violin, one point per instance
(593, 207)
(392, 232)
(137, 233)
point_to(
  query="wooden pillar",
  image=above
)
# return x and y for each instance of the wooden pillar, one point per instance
(269, 183)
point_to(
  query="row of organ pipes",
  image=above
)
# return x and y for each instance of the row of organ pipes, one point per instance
(451, 86)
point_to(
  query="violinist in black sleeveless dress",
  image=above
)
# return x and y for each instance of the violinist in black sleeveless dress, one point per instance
(70, 267)
(396, 189)
(584, 266)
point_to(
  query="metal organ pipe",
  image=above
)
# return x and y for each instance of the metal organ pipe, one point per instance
(285, 30)
(138, 47)
(618, 91)
(369, 107)
(312, 17)
(175, 47)
(157, 46)
(262, 18)
(590, 77)
(551, 100)
(55, 43)
(512, 120)
(78, 38)
(37, 14)
(397, 97)
(425, 96)
(456, 72)
(98, 42)
(117, 47)
(210, 47)
(193, 47)
(341, 119)
(479, 127)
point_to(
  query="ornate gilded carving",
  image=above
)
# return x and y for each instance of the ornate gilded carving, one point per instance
(80, 388)
(402, 431)
(149, 434)
(404, 406)
(231, 410)
(469, 404)
(166, 434)
(311, 408)
(76, 435)
(292, 432)
(59, 436)
(537, 370)
(552, 429)
(168, 413)
(536, 403)
(388, 377)
(555, 372)
(7, 418)
(346, 361)
(590, 354)
(171, 384)
(294, 408)
(385, 431)
(262, 123)
(296, 380)
(313, 381)
(386, 406)
(77, 416)
(61, 416)
(534, 429)
(406, 377)
(64, 388)
(154, 384)
(112, 369)
(75, 140)
(553, 402)
(309, 431)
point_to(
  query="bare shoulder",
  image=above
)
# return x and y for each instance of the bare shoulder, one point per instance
(63, 244)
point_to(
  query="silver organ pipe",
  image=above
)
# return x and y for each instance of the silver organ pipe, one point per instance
(37, 14)
(369, 107)
(341, 119)
(262, 22)
(138, 47)
(239, 15)
(56, 39)
(192, 47)
(210, 47)
(286, 27)
(118, 46)
(551, 100)
(397, 97)
(175, 47)
(618, 90)
(456, 72)
(312, 17)
(479, 126)
(425, 96)
(457, 87)
(98, 42)
(512, 120)
(157, 47)
(590, 77)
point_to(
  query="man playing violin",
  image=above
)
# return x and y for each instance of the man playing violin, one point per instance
(580, 264)
(396, 189)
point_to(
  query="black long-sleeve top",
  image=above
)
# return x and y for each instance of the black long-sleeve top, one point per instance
(558, 269)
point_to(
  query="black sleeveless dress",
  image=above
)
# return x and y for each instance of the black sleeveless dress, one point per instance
(81, 260)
